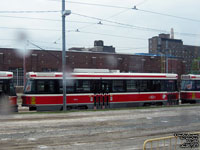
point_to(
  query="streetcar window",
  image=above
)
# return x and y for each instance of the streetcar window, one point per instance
(69, 86)
(145, 86)
(106, 86)
(12, 89)
(132, 86)
(83, 86)
(118, 86)
(7, 87)
(30, 86)
(163, 85)
(45, 86)
(187, 85)
(1, 86)
(197, 83)
(156, 86)
(190, 85)
(95, 86)
(171, 85)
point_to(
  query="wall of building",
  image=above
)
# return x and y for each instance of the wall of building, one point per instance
(163, 44)
(47, 60)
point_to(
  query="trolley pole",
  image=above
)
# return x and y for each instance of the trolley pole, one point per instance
(64, 13)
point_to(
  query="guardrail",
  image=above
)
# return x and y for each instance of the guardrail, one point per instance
(176, 142)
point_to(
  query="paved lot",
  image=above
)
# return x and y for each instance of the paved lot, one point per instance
(113, 130)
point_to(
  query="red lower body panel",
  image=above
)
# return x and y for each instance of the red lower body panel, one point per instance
(91, 99)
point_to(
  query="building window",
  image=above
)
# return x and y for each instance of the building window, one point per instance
(159, 41)
(94, 61)
(1, 58)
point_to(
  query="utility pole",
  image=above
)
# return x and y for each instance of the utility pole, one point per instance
(64, 13)
(63, 57)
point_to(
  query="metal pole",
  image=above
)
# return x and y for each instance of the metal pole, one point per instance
(24, 66)
(166, 64)
(63, 57)
(17, 76)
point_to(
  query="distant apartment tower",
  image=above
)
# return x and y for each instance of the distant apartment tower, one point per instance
(165, 45)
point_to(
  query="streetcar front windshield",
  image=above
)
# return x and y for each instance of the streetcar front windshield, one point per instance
(190, 85)
(30, 87)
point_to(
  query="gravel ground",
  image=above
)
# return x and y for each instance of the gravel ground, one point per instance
(81, 130)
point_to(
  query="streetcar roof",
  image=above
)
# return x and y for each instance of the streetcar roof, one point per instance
(58, 75)
(190, 77)
(6, 75)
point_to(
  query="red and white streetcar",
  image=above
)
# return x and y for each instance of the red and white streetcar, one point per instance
(190, 88)
(7, 91)
(43, 91)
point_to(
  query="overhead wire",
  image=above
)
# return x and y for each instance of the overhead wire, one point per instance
(32, 18)
(168, 15)
(119, 23)
(110, 35)
(17, 28)
(55, 56)
(33, 43)
(45, 19)
(27, 11)
(92, 4)
(36, 41)
(100, 23)
(123, 25)
(136, 27)
(133, 8)
(83, 22)
(102, 5)
(71, 31)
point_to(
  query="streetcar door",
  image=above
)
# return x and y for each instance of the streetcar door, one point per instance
(106, 86)
(96, 91)
(101, 94)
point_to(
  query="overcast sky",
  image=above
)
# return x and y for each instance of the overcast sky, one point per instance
(126, 29)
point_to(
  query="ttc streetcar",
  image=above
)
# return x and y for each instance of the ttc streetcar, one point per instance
(190, 88)
(43, 91)
(7, 91)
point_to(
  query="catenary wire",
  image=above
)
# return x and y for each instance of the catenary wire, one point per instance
(134, 26)
(134, 8)
(26, 11)
(138, 27)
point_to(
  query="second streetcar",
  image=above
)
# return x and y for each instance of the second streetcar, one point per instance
(190, 89)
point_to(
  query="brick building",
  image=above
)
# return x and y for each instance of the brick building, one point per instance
(49, 60)
(165, 45)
